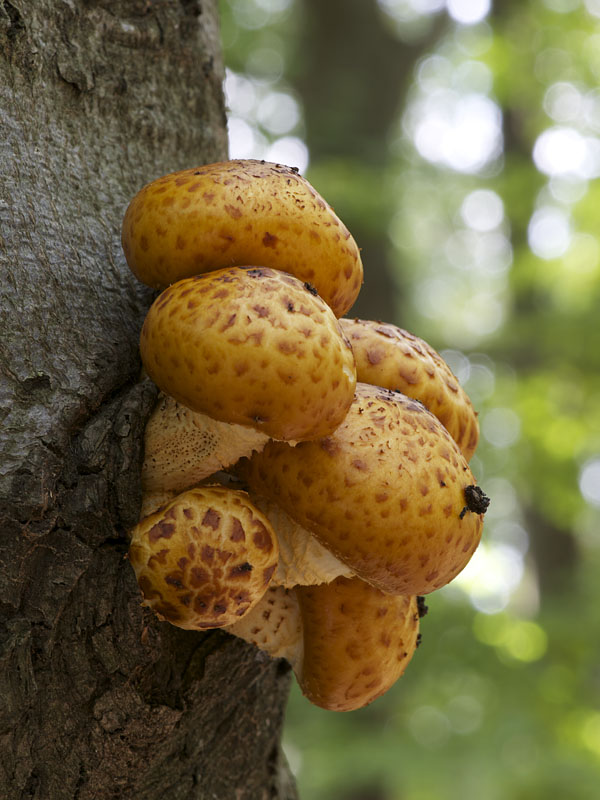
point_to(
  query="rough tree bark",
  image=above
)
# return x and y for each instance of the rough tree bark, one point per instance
(97, 698)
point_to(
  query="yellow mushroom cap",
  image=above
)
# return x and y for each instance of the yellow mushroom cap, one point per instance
(388, 492)
(253, 347)
(205, 558)
(357, 642)
(240, 212)
(391, 357)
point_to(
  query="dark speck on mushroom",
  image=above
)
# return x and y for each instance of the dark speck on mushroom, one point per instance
(476, 501)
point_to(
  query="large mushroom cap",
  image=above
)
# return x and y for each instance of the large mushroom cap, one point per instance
(391, 357)
(254, 347)
(386, 492)
(205, 558)
(240, 212)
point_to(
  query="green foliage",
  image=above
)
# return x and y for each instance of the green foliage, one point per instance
(502, 700)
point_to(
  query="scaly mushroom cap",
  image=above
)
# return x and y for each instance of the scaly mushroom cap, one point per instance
(357, 642)
(235, 213)
(389, 492)
(183, 447)
(205, 558)
(396, 359)
(254, 347)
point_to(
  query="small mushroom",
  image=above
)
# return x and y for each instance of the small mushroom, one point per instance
(204, 558)
(253, 347)
(347, 642)
(391, 357)
(302, 558)
(384, 492)
(240, 212)
(357, 642)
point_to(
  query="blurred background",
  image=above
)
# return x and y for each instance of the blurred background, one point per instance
(459, 140)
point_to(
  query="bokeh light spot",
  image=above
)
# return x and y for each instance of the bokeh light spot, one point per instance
(549, 232)
(289, 150)
(468, 12)
(589, 482)
(501, 427)
(482, 210)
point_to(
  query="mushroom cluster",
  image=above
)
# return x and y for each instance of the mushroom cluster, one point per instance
(306, 477)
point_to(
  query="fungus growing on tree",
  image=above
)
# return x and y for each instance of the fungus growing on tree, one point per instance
(236, 213)
(205, 558)
(384, 492)
(254, 347)
(344, 501)
(391, 357)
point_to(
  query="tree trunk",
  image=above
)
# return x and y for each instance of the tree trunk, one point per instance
(98, 698)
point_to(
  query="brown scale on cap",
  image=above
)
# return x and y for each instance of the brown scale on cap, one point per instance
(391, 357)
(235, 213)
(384, 492)
(252, 347)
(204, 558)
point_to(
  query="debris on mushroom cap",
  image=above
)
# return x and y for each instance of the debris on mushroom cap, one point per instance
(391, 357)
(274, 625)
(384, 492)
(183, 447)
(205, 558)
(357, 642)
(235, 213)
(303, 560)
(254, 347)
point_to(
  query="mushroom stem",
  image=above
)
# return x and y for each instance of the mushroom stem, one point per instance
(303, 560)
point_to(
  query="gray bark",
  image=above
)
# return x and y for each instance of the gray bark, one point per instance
(97, 698)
